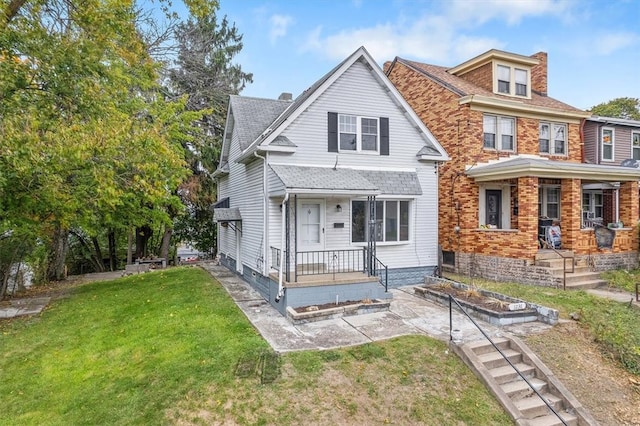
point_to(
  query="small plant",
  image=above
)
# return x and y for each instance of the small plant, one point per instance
(472, 292)
(498, 303)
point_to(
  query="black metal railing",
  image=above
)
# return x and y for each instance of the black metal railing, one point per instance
(275, 257)
(453, 300)
(381, 271)
(329, 262)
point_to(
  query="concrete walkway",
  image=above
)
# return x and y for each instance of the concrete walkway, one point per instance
(20, 307)
(407, 315)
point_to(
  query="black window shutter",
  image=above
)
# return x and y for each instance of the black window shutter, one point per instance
(333, 132)
(384, 136)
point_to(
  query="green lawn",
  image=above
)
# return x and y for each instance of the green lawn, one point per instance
(172, 347)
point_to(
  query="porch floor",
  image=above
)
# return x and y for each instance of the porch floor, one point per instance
(325, 279)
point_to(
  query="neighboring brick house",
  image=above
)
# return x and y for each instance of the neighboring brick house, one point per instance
(517, 163)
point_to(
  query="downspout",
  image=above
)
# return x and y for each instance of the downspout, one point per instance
(265, 215)
(282, 242)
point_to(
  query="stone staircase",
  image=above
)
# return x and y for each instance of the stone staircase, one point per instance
(515, 395)
(583, 276)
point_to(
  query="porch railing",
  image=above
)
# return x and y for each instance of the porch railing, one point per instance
(333, 262)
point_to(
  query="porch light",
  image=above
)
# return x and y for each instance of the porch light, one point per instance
(339, 208)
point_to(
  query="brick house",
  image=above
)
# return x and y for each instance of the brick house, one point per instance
(517, 164)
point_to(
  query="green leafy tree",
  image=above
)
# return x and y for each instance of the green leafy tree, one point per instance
(204, 71)
(87, 140)
(627, 108)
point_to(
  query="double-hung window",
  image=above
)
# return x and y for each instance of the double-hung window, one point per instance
(549, 201)
(391, 221)
(499, 133)
(511, 81)
(358, 133)
(553, 138)
(635, 145)
(607, 138)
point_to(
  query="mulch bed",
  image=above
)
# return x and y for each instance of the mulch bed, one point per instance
(472, 297)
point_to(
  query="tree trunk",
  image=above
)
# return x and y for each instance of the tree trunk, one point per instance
(95, 260)
(56, 268)
(129, 247)
(98, 251)
(166, 240)
(143, 234)
(113, 256)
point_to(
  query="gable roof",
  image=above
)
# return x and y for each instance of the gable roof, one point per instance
(253, 115)
(466, 89)
(272, 130)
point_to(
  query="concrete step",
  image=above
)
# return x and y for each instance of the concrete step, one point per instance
(521, 399)
(546, 254)
(533, 406)
(495, 359)
(521, 389)
(585, 285)
(553, 420)
(483, 346)
(507, 374)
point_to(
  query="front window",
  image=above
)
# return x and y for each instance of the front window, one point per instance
(499, 133)
(553, 138)
(607, 144)
(549, 202)
(635, 145)
(592, 208)
(391, 221)
(358, 133)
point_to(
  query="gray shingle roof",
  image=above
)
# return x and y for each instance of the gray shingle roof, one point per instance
(282, 141)
(297, 178)
(252, 116)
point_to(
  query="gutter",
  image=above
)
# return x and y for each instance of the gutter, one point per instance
(282, 251)
(265, 204)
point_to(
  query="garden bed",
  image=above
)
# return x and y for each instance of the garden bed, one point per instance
(311, 313)
(491, 307)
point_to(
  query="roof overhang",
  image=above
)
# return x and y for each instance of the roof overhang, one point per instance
(491, 55)
(231, 214)
(521, 166)
(502, 106)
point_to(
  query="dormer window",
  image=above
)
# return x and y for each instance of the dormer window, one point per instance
(512, 81)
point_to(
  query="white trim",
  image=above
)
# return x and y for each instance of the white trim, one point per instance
(613, 146)
(505, 204)
(322, 225)
(635, 132)
(512, 79)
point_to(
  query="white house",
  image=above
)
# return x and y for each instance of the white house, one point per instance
(331, 196)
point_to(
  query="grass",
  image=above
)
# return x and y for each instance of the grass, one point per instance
(615, 326)
(172, 347)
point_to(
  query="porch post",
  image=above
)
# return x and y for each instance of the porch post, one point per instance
(287, 252)
(295, 241)
(371, 236)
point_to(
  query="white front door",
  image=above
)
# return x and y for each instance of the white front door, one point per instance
(310, 225)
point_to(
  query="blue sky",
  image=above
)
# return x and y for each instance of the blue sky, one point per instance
(593, 45)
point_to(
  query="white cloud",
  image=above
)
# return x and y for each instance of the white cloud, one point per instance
(610, 42)
(279, 26)
(443, 36)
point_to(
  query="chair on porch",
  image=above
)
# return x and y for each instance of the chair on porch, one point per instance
(553, 236)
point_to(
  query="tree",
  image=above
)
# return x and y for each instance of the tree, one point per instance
(627, 108)
(205, 73)
(87, 139)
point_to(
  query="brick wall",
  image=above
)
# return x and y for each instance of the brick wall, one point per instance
(481, 76)
(539, 73)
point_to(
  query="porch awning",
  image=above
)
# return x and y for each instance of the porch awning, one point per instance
(227, 214)
(522, 165)
(338, 181)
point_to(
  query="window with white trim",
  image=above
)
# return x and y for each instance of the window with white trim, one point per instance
(358, 133)
(592, 203)
(512, 81)
(391, 221)
(635, 145)
(498, 132)
(549, 201)
(607, 138)
(553, 138)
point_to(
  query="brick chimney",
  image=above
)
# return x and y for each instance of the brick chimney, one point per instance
(539, 74)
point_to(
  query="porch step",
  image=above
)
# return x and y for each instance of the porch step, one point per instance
(582, 277)
(522, 400)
